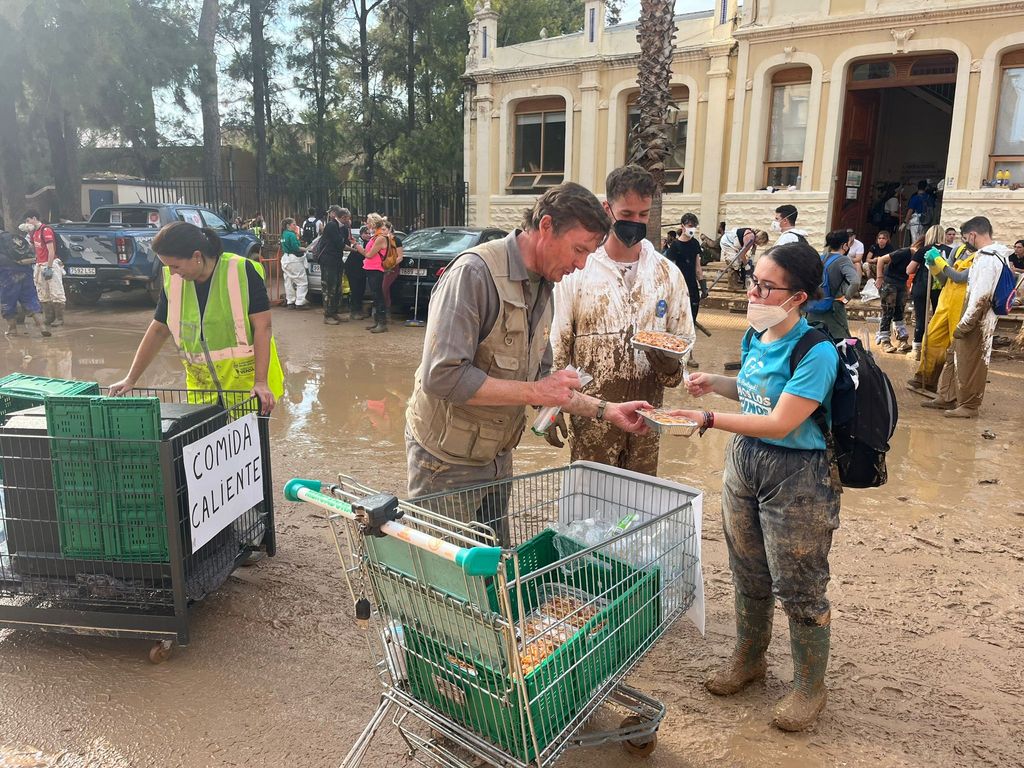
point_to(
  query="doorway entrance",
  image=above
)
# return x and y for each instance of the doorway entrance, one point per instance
(896, 127)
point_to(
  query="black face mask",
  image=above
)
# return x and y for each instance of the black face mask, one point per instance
(629, 232)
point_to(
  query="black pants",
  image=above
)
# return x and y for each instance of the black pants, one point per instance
(375, 282)
(694, 307)
(356, 282)
(330, 286)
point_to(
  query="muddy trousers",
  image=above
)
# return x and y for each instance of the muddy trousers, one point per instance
(779, 509)
(330, 286)
(599, 441)
(965, 373)
(893, 299)
(455, 487)
(356, 282)
(16, 287)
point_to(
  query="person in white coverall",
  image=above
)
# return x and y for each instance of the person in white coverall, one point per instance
(626, 287)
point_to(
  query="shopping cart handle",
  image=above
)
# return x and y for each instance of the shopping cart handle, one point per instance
(474, 561)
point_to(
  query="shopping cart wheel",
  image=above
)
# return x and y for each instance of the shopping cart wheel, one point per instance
(161, 652)
(642, 746)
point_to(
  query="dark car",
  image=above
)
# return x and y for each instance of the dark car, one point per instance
(428, 253)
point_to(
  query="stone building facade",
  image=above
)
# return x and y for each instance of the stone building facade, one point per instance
(831, 103)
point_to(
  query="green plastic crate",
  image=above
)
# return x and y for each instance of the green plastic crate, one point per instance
(35, 388)
(131, 428)
(484, 698)
(86, 520)
(108, 481)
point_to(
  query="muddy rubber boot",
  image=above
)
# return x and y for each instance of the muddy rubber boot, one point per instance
(799, 710)
(12, 327)
(382, 323)
(58, 315)
(753, 633)
(48, 313)
(38, 317)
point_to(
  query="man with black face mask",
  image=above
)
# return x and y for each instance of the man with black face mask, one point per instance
(626, 287)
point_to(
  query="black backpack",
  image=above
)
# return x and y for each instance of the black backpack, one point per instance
(864, 410)
(308, 232)
(14, 250)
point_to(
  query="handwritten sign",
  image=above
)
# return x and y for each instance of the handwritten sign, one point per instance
(224, 473)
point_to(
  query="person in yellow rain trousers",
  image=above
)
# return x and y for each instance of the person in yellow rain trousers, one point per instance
(939, 336)
(215, 307)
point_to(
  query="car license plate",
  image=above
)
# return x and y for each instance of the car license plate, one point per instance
(83, 271)
(412, 272)
(314, 269)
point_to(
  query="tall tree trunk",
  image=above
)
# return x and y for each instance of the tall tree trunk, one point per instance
(209, 97)
(62, 136)
(410, 71)
(364, 82)
(655, 32)
(259, 97)
(12, 176)
(321, 73)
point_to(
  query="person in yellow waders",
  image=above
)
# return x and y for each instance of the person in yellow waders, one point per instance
(939, 336)
(215, 307)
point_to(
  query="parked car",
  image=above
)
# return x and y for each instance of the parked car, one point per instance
(112, 251)
(313, 269)
(428, 253)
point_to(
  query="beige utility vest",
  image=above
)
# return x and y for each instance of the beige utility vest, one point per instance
(475, 435)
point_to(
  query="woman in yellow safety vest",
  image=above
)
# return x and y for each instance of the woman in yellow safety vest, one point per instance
(215, 307)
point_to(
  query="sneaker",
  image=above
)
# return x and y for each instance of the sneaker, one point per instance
(331, 320)
(938, 405)
(903, 346)
(886, 346)
(289, 305)
(691, 363)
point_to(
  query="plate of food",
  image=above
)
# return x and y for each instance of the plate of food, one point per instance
(667, 343)
(663, 422)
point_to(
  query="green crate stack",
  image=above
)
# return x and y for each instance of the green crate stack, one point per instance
(86, 519)
(483, 698)
(107, 478)
(21, 390)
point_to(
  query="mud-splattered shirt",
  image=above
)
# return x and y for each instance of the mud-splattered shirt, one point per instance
(596, 316)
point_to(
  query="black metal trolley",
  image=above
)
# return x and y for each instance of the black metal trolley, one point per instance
(96, 533)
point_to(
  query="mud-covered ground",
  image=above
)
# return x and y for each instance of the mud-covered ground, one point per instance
(928, 578)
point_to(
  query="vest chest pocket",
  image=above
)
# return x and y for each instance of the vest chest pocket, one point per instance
(477, 440)
(503, 367)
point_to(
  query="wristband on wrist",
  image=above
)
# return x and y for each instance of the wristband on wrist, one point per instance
(709, 422)
(600, 410)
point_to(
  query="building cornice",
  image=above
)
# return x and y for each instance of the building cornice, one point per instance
(577, 66)
(873, 21)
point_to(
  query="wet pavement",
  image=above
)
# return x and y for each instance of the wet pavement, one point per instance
(928, 578)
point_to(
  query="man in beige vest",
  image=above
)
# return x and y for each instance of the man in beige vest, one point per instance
(487, 355)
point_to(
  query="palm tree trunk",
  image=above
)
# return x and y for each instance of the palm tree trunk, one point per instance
(652, 146)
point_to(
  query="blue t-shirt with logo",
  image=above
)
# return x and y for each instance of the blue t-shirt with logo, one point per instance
(764, 377)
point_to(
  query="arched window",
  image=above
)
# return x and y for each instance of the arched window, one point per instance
(538, 145)
(1008, 145)
(675, 170)
(787, 131)
(872, 70)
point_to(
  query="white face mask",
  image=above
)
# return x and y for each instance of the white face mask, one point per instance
(776, 227)
(691, 232)
(761, 317)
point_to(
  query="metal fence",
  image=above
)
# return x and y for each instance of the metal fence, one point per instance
(407, 204)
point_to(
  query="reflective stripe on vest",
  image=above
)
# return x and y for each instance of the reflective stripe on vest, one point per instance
(243, 348)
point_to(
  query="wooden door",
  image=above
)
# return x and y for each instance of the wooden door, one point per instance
(856, 156)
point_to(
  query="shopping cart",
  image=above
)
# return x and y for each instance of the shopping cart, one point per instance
(501, 641)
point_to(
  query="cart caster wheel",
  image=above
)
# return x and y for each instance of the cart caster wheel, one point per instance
(642, 746)
(161, 651)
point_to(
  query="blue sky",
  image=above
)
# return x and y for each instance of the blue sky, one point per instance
(631, 8)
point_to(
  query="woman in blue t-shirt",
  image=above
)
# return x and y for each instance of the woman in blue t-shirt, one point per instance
(780, 491)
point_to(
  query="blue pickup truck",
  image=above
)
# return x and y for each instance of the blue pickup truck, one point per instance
(112, 251)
